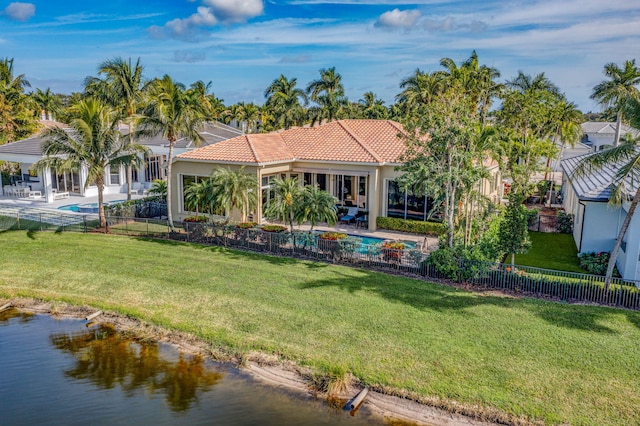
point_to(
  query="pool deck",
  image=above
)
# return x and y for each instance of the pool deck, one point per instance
(73, 199)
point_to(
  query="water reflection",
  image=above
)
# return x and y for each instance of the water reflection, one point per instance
(107, 359)
(11, 313)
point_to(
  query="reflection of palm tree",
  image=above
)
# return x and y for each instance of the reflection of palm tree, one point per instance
(106, 359)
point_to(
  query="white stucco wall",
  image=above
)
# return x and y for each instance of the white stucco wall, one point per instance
(600, 226)
(628, 258)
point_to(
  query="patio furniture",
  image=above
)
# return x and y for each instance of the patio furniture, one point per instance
(350, 216)
(60, 195)
(35, 194)
(362, 221)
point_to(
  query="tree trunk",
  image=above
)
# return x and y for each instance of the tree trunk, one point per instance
(169, 176)
(616, 140)
(103, 220)
(129, 173)
(623, 231)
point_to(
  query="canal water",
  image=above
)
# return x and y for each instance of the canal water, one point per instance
(59, 372)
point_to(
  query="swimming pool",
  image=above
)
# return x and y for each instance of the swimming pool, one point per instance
(87, 207)
(370, 241)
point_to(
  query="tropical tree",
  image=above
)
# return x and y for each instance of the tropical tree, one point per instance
(419, 89)
(95, 143)
(159, 188)
(328, 93)
(372, 107)
(48, 102)
(287, 202)
(122, 87)
(173, 112)
(625, 158)
(513, 234)
(213, 106)
(317, 206)
(234, 189)
(17, 118)
(286, 102)
(618, 90)
(525, 83)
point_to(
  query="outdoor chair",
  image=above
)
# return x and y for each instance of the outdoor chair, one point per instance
(362, 221)
(350, 216)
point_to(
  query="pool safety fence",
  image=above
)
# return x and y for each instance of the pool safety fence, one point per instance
(520, 280)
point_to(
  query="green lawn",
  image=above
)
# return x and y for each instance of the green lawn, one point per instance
(555, 362)
(551, 251)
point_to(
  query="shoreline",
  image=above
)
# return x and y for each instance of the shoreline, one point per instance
(276, 372)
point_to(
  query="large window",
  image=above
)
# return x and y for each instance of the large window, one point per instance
(114, 174)
(186, 182)
(319, 179)
(408, 203)
(65, 181)
(351, 190)
(154, 169)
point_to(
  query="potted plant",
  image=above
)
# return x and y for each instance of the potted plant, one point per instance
(392, 251)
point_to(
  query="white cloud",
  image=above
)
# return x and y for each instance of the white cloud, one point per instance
(232, 11)
(188, 28)
(397, 18)
(20, 11)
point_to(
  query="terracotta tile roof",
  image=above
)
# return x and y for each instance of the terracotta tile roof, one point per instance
(359, 141)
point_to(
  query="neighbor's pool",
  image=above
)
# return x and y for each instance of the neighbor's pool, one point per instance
(369, 241)
(87, 207)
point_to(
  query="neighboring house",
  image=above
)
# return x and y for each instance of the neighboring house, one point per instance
(597, 223)
(28, 151)
(600, 134)
(354, 160)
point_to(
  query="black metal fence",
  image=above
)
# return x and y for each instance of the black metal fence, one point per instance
(522, 280)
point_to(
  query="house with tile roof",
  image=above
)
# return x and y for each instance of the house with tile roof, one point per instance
(601, 134)
(27, 151)
(596, 222)
(354, 160)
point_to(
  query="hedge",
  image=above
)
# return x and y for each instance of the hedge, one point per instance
(413, 226)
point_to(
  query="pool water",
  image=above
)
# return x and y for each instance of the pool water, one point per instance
(369, 241)
(87, 207)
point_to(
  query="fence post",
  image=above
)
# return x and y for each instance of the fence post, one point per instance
(40, 215)
(18, 219)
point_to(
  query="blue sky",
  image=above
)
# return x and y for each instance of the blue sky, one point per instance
(243, 45)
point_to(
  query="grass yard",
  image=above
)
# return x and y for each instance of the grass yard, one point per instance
(551, 251)
(554, 362)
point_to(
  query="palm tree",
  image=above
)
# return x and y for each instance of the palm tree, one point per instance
(122, 87)
(47, 101)
(524, 83)
(172, 112)
(372, 107)
(328, 93)
(618, 90)
(626, 159)
(284, 99)
(287, 202)
(234, 190)
(159, 188)
(17, 117)
(566, 119)
(95, 143)
(318, 206)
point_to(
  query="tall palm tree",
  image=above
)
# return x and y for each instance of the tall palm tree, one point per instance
(47, 101)
(566, 118)
(318, 206)
(213, 106)
(286, 102)
(234, 190)
(121, 87)
(525, 82)
(173, 112)
(94, 143)
(420, 89)
(626, 159)
(287, 202)
(17, 118)
(618, 90)
(372, 107)
(328, 93)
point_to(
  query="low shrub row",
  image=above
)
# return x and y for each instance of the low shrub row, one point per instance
(415, 226)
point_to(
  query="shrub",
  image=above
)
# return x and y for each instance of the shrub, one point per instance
(332, 236)
(273, 228)
(459, 262)
(564, 223)
(413, 226)
(395, 245)
(595, 263)
(392, 250)
(246, 225)
(532, 216)
(198, 219)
